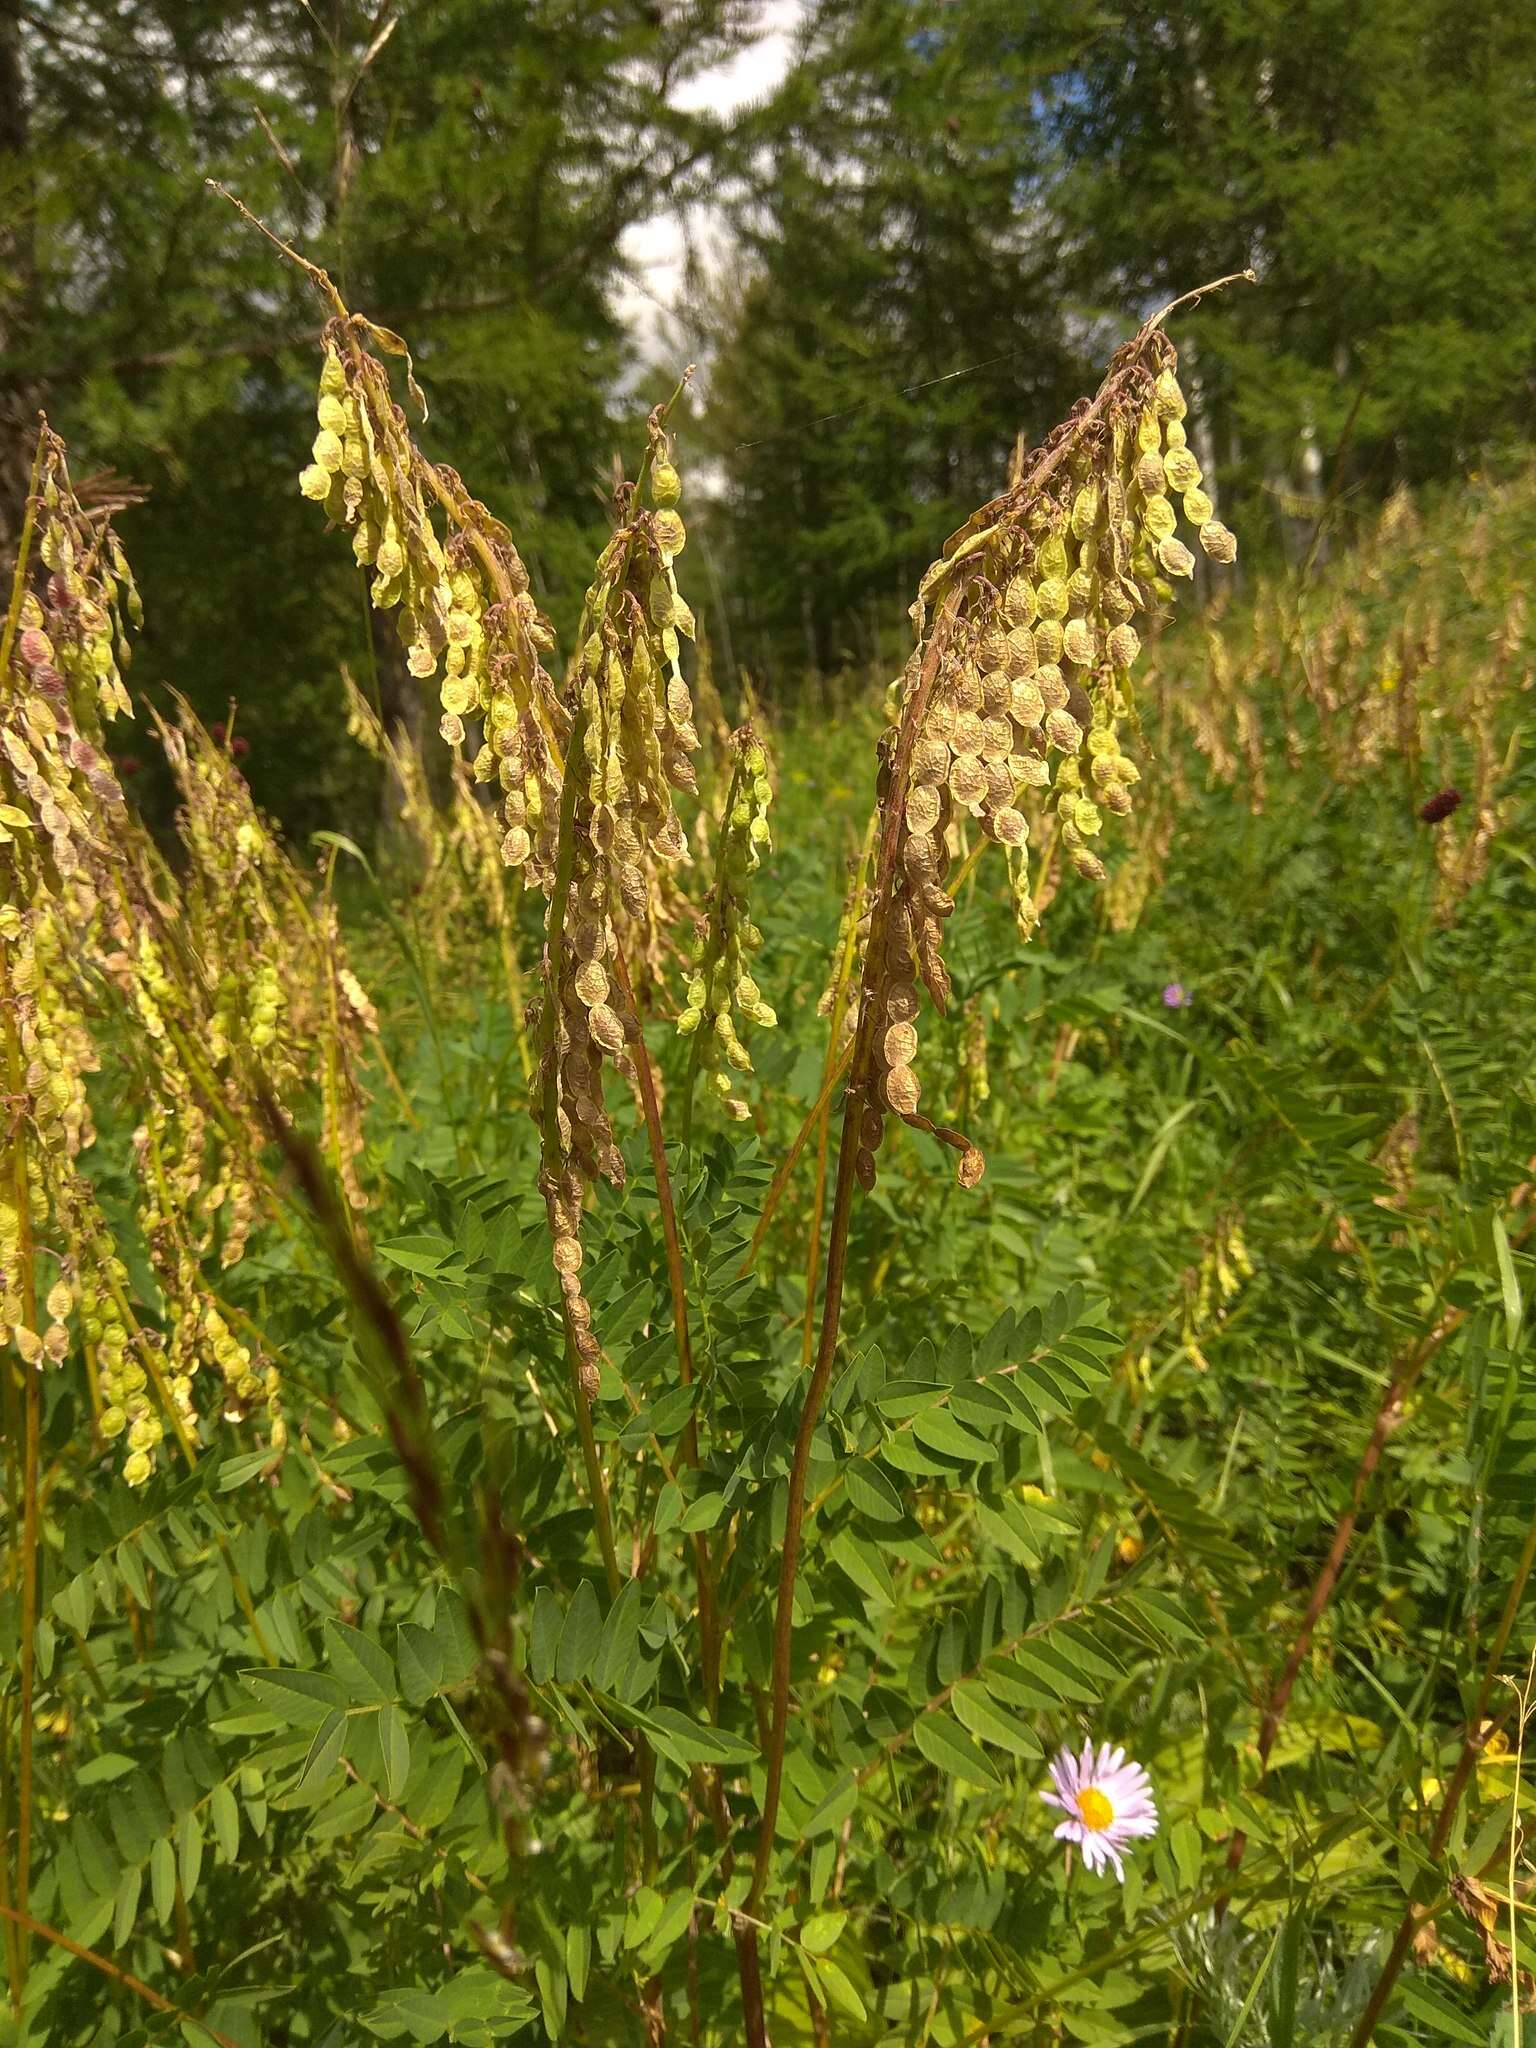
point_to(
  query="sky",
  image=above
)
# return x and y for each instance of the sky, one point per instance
(655, 247)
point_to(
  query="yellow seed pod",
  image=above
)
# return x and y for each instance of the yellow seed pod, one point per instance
(333, 378)
(1181, 470)
(1219, 542)
(1086, 816)
(1174, 436)
(671, 534)
(666, 484)
(1158, 518)
(1051, 560)
(1102, 744)
(1052, 685)
(315, 482)
(992, 648)
(1026, 703)
(1124, 645)
(1022, 653)
(1198, 507)
(1167, 398)
(1063, 731)
(1081, 643)
(1049, 642)
(331, 414)
(327, 450)
(1085, 510)
(967, 781)
(1053, 597)
(1149, 433)
(1019, 606)
(1176, 558)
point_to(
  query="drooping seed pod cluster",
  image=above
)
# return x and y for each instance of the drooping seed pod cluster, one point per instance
(632, 741)
(460, 595)
(1017, 693)
(218, 960)
(721, 986)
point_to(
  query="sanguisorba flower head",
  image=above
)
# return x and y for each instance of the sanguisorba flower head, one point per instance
(1107, 1801)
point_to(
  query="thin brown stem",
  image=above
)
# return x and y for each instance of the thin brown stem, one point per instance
(1471, 1748)
(21, 1196)
(110, 1969)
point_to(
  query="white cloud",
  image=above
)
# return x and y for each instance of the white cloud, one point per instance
(656, 248)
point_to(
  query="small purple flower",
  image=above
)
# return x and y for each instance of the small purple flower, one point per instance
(1176, 996)
(1108, 1803)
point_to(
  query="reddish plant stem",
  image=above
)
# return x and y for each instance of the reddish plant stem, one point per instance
(1388, 1415)
(1471, 1748)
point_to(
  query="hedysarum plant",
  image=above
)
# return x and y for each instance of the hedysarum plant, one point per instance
(1014, 712)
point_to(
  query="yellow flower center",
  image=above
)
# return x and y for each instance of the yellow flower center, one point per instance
(1095, 1808)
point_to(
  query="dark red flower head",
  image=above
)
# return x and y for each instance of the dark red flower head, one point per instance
(1440, 805)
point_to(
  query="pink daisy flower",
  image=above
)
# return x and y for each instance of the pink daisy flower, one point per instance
(1108, 1803)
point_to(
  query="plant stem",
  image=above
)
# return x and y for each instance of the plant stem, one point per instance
(1471, 1748)
(118, 1976)
(21, 1195)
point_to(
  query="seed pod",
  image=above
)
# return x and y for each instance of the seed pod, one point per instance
(1218, 541)
(1177, 559)
(1081, 645)
(1019, 606)
(1181, 470)
(1123, 646)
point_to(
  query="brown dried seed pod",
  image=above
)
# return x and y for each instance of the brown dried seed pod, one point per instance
(966, 737)
(967, 781)
(567, 1254)
(1218, 541)
(1009, 826)
(871, 1128)
(902, 1002)
(996, 739)
(972, 1166)
(606, 1028)
(1124, 646)
(899, 1046)
(923, 809)
(1063, 731)
(920, 854)
(930, 761)
(1176, 558)
(1149, 473)
(902, 1090)
(864, 1170)
(591, 983)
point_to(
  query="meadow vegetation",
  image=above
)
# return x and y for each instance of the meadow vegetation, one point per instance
(550, 1498)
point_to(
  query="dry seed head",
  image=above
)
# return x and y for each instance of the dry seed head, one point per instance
(1040, 590)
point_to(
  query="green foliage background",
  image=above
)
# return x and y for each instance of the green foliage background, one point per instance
(984, 187)
(1078, 1472)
